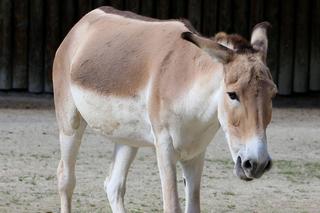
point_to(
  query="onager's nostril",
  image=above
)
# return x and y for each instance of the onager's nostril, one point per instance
(268, 166)
(247, 165)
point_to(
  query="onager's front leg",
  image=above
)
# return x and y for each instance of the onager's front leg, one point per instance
(166, 158)
(192, 171)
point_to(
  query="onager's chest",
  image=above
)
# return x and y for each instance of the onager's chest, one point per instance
(194, 127)
(193, 137)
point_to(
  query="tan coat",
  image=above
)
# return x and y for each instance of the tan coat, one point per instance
(146, 82)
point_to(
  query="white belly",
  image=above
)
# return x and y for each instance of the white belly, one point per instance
(124, 120)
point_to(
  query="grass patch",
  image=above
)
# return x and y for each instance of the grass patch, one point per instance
(229, 193)
(50, 177)
(298, 171)
(227, 163)
(231, 206)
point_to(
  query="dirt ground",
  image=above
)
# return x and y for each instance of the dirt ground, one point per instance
(29, 155)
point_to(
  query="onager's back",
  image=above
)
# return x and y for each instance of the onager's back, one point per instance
(145, 82)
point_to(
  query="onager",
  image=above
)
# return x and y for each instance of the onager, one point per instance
(144, 82)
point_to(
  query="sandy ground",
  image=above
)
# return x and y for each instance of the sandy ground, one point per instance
(29, 155)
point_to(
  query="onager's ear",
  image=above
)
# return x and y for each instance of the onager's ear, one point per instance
(259, 39)
(215, 50)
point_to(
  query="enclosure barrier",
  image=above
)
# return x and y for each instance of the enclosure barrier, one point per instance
(31, 30)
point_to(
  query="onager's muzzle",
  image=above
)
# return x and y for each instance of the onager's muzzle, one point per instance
(253, 160)
(250, 169)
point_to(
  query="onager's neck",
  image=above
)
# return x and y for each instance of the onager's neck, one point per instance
(203, 97)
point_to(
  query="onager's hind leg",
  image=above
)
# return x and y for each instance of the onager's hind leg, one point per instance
(115, 184)
(69, 145)
(70, 122)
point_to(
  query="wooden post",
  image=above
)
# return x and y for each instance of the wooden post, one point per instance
(118, 4)
(147, 8)
(163, 9)
(315, 47)
(133, 5)
(20, 47)
(84, 6)
(194, 13)
(301, 59)
(225, 16)
(98, 3)
(257, 12)
(286, 47)
(241, 18)
(36, 50)
(68, 13)
(52, 40)
(272, 15)
(210, 17)
(179, 9)
(5, 44)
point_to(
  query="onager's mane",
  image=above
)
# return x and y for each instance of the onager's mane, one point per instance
(234, 42)
(129, 14)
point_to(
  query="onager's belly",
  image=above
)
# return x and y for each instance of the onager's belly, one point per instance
(122, 119)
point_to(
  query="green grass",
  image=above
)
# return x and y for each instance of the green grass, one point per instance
(231, 206)
(228, 193)
(296, 171)
(227, 163)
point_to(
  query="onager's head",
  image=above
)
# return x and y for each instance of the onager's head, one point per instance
(245, 104)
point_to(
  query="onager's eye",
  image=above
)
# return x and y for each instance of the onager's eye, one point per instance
(233, 96)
